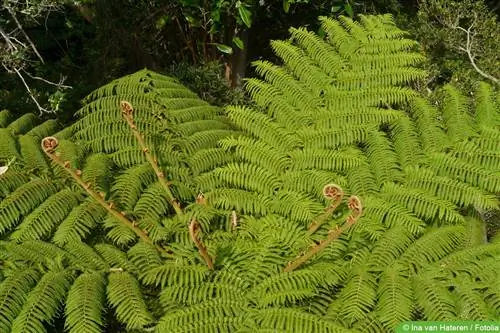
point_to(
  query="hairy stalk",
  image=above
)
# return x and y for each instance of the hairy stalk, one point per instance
(194, 227)
(127, 112)
(49, 144)
(356, 208)
(334, 193)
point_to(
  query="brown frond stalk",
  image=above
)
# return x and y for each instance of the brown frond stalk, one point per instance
(234, 220)
(356, 208)
(127, 112)
(194, 227)
(49, 144)
(334, 193)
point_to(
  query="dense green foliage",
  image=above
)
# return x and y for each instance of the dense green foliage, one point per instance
(156, 211)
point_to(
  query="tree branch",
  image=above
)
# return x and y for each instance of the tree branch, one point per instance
(20, 27)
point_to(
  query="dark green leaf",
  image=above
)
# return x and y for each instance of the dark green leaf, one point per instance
(245, 15)
(224, 48)
(238, 42)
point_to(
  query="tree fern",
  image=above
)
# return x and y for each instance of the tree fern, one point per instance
(343, 201)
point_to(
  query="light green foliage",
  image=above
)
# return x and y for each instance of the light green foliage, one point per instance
(338, 110)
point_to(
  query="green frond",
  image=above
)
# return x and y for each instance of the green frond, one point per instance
(423, 204)
(257, 152)
(382, 159)
(471, 304)
(114, 257)
(8, 145)
(43, 303)
(14, 292)
(216, 315)
(287, 288)
(32, 155)
(456, 114)
(144, 257)
(332, 139)
(294, 320)
(87, 256)
(172, 273)
(45, 129)
(97, 171)
(239, 200)
(389, 247)
(296, 206)
(470, 152)
(85, 303)
(447, 188)
(395, 297)
(153, 202)
(487, 114)
(262, 127)
(433, 298)
(425, 117)
(5, 116)
(128, 186)
(40, 223)
(208, 159)
(359, 294)
(312, 181)
(22, 201)
(447, 165)
(361, 179)
(244, 176)
(406, 142)
(23, 124)
(12, 180)
(124, 295)
(433, 246)
(79, 223)
(334, 119)
(324, 159)
(392, 214)
(37, 252)
(117, 232)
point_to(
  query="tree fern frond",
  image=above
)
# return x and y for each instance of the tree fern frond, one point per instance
(263, 128)
(23, 124)
(425, 117)
(216, 315)
(180, 274)
(85, 302)
(324, 159)
(97, 171)
(294, 320)
(471, 304)
(433, 246)
(31, 153)
(5, 117)
(79, 223)
(487, 114)
(124, 294)
(389, 247)
(455, 113)
(434, 299)
(39, 223)
(447, 188)
(382, 159)
(446, 165)
(392, 214)
(240, 200)
(22, 201)
(114, 257)
(117, 232)
(43, 303)
(14, 292)
(395, 297)
(406, 142)
(423, 204)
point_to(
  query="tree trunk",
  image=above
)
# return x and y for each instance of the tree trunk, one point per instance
(239, 61)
